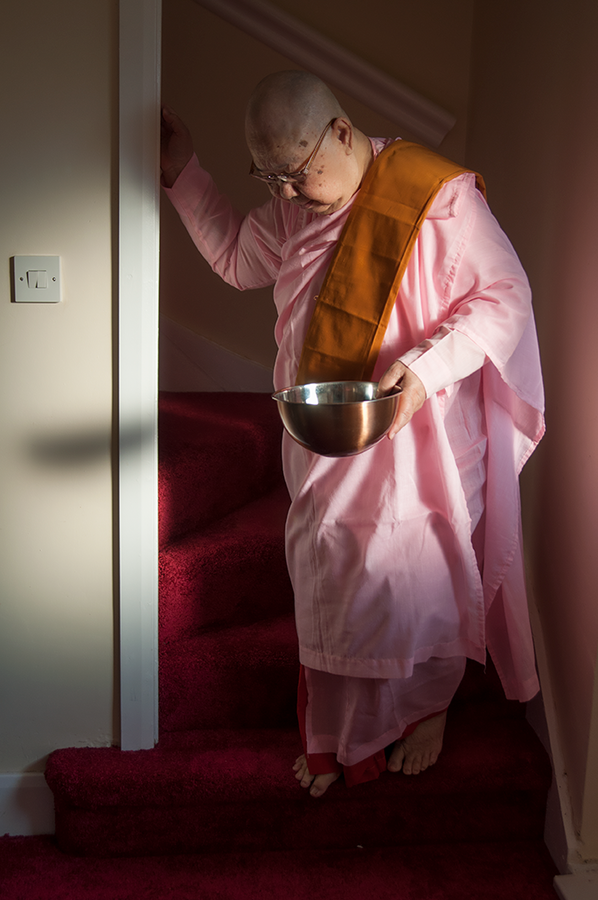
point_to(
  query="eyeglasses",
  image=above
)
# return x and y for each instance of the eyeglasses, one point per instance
(302, 172)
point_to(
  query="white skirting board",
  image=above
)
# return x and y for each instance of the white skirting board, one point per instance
(576, 887)
(26, 804)
(578, 874)
(190, 362)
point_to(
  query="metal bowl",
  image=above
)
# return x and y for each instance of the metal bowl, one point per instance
(337, 418)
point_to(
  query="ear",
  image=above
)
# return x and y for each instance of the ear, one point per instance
(343, 132)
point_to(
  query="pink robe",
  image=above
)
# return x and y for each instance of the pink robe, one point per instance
(380, 546)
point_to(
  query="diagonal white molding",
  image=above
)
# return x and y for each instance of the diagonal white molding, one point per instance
(337, 66)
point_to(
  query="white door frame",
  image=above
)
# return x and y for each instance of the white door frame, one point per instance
(140, 28)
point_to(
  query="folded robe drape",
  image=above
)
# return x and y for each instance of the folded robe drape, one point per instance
(355, 302)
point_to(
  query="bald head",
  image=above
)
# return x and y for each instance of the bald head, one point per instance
(286, 111)
(303, 143)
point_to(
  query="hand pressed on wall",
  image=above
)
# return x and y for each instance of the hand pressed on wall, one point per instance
(176, 146)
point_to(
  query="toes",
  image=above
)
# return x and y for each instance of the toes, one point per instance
(419, 763)
(419, 750)
(397, 758)
(302, 773)
(409, 767)
(416, 763)
(322, 783)
(318, 784)
(304, 777)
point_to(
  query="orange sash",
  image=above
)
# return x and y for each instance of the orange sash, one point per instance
(361, 286)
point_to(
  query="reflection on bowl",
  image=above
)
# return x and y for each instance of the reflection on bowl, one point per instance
(337, 418)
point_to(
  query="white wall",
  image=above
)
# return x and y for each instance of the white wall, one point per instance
(58, 84)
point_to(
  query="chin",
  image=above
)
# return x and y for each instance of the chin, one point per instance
(318, 207)
(324, 209)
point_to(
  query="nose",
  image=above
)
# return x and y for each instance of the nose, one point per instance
(287, 190)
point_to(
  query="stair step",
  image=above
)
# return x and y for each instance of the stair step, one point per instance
(209, 441)
(231, 571)
(213, 790)
(246, 676)
(238, 677)
(519, 870)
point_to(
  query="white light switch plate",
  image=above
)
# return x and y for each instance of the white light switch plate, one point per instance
(36, 279)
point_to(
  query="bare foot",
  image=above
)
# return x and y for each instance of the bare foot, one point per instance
(421, 749)
(319, 783)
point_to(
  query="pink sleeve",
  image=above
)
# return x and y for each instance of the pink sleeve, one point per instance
(446, 357)
(243, 250)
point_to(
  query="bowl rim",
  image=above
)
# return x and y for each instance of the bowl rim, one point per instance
(394, 392)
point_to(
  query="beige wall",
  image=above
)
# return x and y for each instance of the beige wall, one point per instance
(56, 643)
(209, 70)
(534, 134)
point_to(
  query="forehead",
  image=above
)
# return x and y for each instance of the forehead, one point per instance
(279, 149)
(278, 157)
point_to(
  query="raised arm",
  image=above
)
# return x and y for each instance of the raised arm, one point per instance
(243, 250)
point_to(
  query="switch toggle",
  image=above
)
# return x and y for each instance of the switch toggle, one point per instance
(36, 279)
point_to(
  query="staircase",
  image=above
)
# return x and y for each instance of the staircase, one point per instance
(220, 779)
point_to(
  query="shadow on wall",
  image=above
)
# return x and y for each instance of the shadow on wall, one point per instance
(80, 447)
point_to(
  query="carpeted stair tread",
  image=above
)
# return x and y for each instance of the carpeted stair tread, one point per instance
(255, 764)
(223, 789)
(217, 452)
(242, 676)
(34, 868)
(246, 676)
(482, 688)
(232, 570)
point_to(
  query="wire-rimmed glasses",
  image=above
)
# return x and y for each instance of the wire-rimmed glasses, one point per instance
(302, 172)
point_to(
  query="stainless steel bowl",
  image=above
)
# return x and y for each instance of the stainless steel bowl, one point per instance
(337, 418)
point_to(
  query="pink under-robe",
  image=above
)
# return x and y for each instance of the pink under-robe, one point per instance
(379, 546)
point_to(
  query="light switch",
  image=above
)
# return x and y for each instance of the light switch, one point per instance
(36, 279)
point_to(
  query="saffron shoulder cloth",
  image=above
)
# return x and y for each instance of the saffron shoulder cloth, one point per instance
(353, 309)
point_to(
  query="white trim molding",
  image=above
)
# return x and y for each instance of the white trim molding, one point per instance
(139, 231)
(337, 66)
(577, 887)
(560, 834)
(26, 804)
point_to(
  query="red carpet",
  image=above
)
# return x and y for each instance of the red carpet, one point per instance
(219, 786)
(33, 869)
